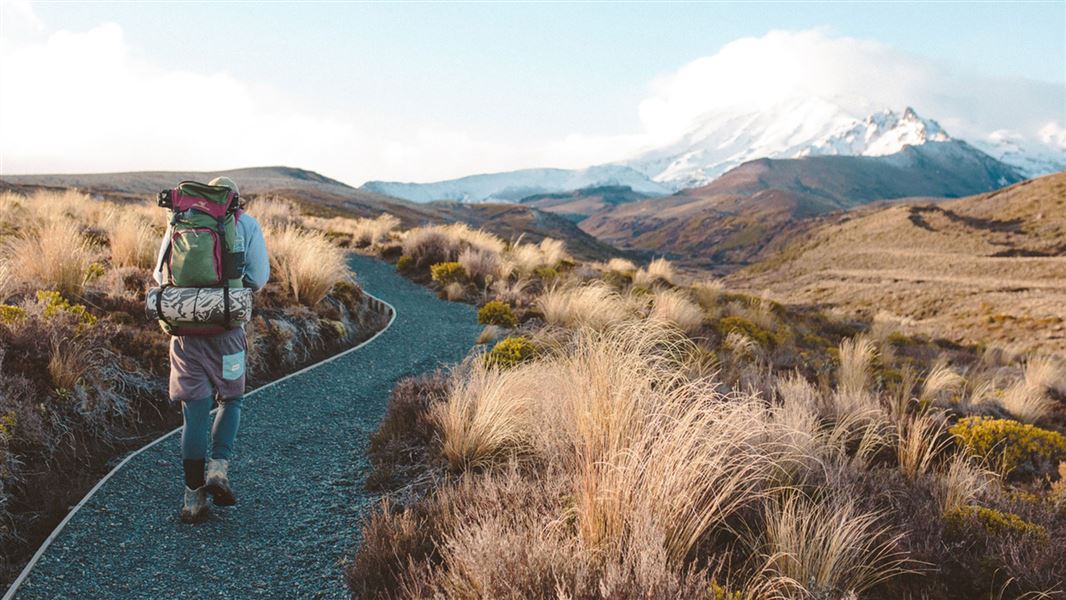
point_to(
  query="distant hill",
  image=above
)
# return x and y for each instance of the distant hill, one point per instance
(731, 220)
(579, 204)
(512, 186)
(321, 195)
(990, 267)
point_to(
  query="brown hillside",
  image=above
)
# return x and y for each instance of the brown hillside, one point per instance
(733, 220)
(988, 268)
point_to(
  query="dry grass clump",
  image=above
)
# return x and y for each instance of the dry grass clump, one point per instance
(53, 256)
(621, 266)
(480, 265)
(305, 263)
(274, 212)
(829, 548)
(658, 271)
(593, 305)
(485, 414)
(1028, 398)
(133, 242)
(674, 306)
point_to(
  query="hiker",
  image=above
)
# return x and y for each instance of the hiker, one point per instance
(219, 254)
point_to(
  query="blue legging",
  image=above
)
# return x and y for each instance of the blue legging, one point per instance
(197, 416)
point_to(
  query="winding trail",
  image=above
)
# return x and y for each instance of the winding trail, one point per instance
(298, 472)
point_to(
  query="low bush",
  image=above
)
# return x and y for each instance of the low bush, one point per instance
(1015, 449)
(994, 522)
(511, 351)
(405, 264)
(448, 272)
(496, 312)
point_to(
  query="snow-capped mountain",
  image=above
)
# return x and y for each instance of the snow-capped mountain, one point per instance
(1029, 158)
(879, 134)
(808, 127)
(721, 141)
(512, 186)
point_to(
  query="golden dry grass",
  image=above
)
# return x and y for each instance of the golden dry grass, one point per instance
(829, 547)
(593, 305)
(305, 263)
(675, 307)
(133, 242)
(658, 271)
(53, 256)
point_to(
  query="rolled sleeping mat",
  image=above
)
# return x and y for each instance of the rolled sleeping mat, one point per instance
(199, 305)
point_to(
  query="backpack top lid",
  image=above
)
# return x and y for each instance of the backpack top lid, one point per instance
(215, 200)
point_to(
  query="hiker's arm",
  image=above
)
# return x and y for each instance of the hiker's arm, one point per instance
(158, 273)
(256, 263)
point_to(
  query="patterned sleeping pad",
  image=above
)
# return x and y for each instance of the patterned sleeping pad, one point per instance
(200, 305)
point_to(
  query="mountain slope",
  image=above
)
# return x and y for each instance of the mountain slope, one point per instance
(579, 204)
(991, 266)
(514, 185)
(731, 219)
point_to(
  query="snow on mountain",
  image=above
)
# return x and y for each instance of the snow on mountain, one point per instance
(514, 185)
(805, 127)
(1032, 159)
(880, 134)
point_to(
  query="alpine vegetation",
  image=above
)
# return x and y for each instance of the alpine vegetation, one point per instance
(629, 435)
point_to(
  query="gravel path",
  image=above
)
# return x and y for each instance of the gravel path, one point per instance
(298, 472)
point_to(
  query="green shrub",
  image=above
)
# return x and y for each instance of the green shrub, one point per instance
(405, 263)
(511, 351)
(9, 315)
(448, 272)
(1013, 447)
(55, 305)
(496, 312)
(763, 337)
(996, 523)
(546, 273)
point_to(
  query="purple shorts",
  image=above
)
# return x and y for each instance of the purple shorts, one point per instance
(202, 366)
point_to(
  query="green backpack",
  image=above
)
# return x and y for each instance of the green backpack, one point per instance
(201, 252)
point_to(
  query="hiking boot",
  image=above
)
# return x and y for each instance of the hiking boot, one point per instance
(218, 483)
(195, 509)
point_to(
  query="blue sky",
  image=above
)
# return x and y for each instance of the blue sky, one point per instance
(493, 75)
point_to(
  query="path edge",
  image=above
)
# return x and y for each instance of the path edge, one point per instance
(10, 594)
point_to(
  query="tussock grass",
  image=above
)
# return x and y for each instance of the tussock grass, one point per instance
(658, 271)
(674, 306)
(593, 305)
(480, 265)
(54, 256)
(133, 242)
(274, 212)
(305, 263)
(485, 414)
(829, 548)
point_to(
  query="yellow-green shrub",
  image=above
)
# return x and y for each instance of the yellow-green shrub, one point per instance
(55, 304)
(512, 351)
(448, 272)
(1009, 445)
(994, 522)
(496, 312)
(405, 263)
(741, 325)
(9, 315)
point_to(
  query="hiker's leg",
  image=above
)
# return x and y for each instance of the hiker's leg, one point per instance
(197, 416)
(224, 431)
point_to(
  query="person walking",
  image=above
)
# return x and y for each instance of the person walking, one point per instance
(209, 363)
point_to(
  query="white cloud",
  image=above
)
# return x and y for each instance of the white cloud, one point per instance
(860, 76)
(88, 101)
